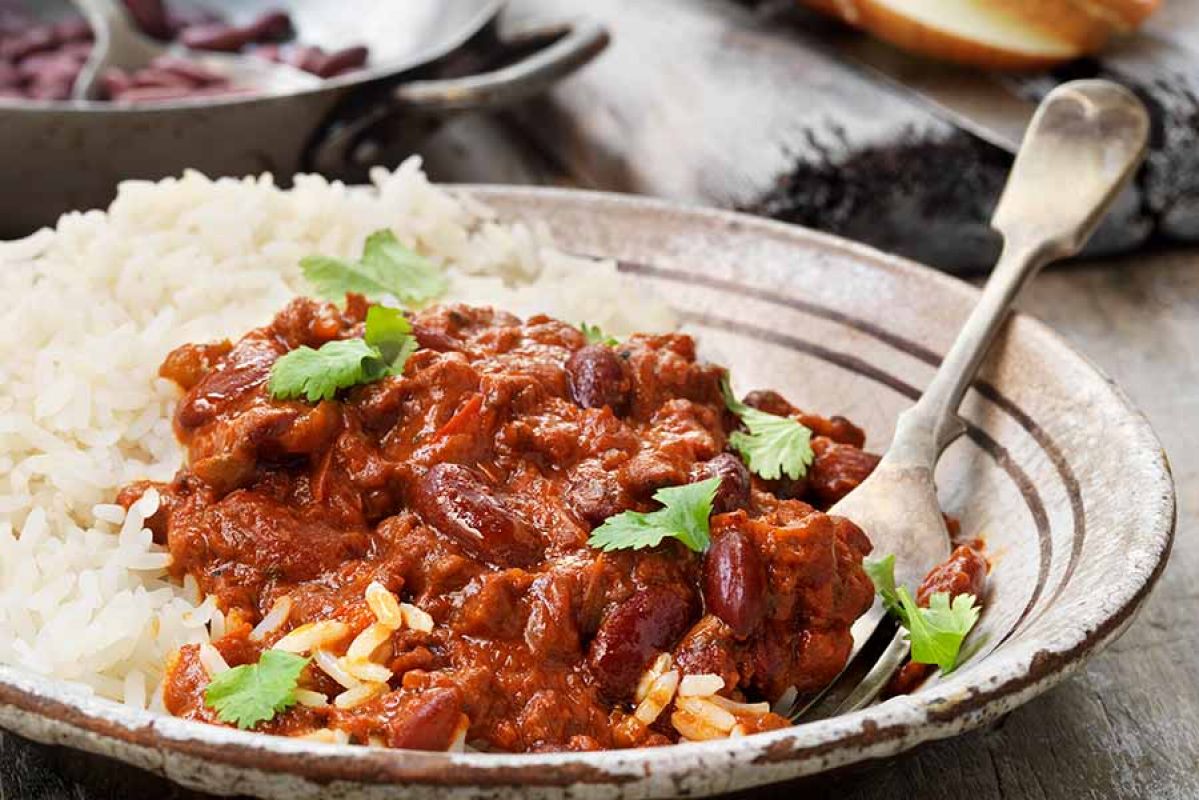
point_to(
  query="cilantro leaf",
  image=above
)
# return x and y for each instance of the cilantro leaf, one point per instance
(683, 516)
(937, 632)
(320, 374)
(596, 335)
(386, 268)
(774, 445)
(390, 332)
(252, 693)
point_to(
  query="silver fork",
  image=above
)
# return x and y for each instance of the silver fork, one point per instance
(1084, 143)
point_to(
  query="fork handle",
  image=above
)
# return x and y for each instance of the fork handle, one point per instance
(1083, 145)
(932, 424)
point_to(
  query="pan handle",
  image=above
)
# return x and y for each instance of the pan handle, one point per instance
(343, 148)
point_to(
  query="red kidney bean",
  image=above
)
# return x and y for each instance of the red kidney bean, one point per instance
(769, 401)
(216, 36)
(246, 367)
(733, 492)
(457, 501)
(80, 50)
(73, 29)
(48, 68)
(10, 77)
(35, 40)
(735, 581)
(52, 89)
(425, 721)
(271, 52)
(115, 81)
(195, 74)
(329, 65)
(305, 57)
(151, 77)
(650, 621)
(272, 26)
(180, 19)
(597, 377)
(150, 16)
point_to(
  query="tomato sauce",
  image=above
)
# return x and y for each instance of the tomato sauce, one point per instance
(468, 487)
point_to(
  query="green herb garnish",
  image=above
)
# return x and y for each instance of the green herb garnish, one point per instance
(937, 632)
(596, 335)
(683, 516)
(252, 693)
(774, 446)
(386, 269)
(319, 374)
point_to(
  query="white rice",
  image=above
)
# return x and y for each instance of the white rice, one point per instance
(90, 310)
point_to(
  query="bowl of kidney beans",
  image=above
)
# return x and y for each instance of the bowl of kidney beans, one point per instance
(40, 60)
(427, 60)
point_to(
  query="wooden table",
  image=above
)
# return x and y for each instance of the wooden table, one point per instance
(1126, 726)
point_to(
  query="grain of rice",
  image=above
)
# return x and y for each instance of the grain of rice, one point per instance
(700, 685)
(362, 693)
(135, 689)
(458, 743)
(748, 709)
(366, 670)
(212, 661)
(275, 619)
(708, 711)
(366, 643)
(660, 665)
(331, 666)
(311, 699)
(216, 625)
(111, 513)
(695, 728)
(326, 736)
(657, 697)
(313, 636)
(416, 618)
(384, 605)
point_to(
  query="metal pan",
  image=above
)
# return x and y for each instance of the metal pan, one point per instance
(58, 156)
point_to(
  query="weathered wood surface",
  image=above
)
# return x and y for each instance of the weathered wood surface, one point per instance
(1127, 726)
(755, 106)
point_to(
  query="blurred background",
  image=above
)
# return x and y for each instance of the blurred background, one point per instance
(888, 121)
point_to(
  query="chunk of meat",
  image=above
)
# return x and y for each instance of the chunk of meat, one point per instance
(837, 470)
(964, 572)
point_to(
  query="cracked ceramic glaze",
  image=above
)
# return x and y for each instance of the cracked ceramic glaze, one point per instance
(1063, 479)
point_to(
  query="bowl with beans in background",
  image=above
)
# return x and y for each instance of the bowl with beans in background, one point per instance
(390, 72)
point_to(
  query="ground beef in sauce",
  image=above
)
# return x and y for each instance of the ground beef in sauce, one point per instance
(468, 487)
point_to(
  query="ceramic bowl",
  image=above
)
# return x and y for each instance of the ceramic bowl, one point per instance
(1059, 474)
